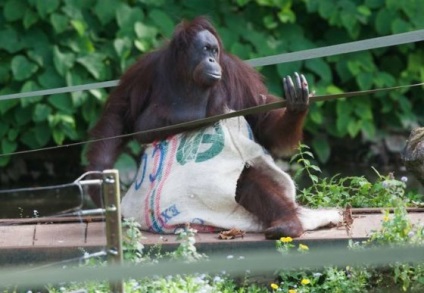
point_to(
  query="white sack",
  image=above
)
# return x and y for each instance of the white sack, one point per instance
(191, 178)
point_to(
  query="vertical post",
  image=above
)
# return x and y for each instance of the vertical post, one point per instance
(111, 197)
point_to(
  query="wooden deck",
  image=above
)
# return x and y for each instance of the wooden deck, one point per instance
(56, 239)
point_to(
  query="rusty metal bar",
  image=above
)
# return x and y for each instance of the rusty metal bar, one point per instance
(111, 197)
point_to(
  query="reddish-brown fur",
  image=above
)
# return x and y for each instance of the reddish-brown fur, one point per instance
(156, 81)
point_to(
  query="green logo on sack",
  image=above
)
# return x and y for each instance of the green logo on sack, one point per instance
(201, 146)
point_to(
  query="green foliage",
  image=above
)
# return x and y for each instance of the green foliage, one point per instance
(132, 247)
(356, 191)
(187, 250)
(396, 230)
(51, 43)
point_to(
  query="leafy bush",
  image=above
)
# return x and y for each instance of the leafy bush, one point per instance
(355, 191)
(51, 43)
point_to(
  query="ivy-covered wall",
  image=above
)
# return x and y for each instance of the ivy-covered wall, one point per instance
(55, 43)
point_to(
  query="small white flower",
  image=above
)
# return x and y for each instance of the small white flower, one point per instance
(404, 179)
(317, 275)
(411, 234)
(217, 279)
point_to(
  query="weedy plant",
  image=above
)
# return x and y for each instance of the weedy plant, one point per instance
(340, 191)
(396, 229)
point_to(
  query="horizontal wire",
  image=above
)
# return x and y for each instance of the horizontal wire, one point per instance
(362, 45)
(212, 119)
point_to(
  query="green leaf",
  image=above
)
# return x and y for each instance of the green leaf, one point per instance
(122, 47)
(61, 102)
(364, 80)
(58, 136)
(30, 86)
(127, 17)
(4, 71)
(9, 40)
(315, 114)
(321, 148)
(45, 7)
(62, 61)
(343, 116)
(382, 21)
(14, 10)
(144, 31)
(30, 18)
(343, 108)
(369, 129)
(3, 129)
(285, 69)
(103, 10)
(364, 10)
(400, 26)
(41, 112)
(240, 50)
(23, 116)
(12, 134)
(42, 134)
(82, 44)
(79, 26)
(242, 2)
(327, 8)
(142, 45)
(36, 57)
(162, 21)
(286, 15)
(8, 146)
(4, 161)
(362, 108)
(22, 68)
(94, 64)
(7, 105)
(353, 127)
(270, 22)
(320, 68)
(374, 3)
(50, 78)
(28, 138)
(60, 22)
(125, 163)
(34, 38)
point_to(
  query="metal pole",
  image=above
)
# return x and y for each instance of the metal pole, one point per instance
(112, 200)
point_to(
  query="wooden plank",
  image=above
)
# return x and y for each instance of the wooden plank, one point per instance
(56, 235)
(16, 236)
(96, 234)
(93, 234)
(51, 220)
(362, 226)
(56, 242)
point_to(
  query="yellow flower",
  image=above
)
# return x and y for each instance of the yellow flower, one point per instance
(305, 281)
(286, 239)
(274, 286)
(292, 291)
(303, 247)
(386, 218)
